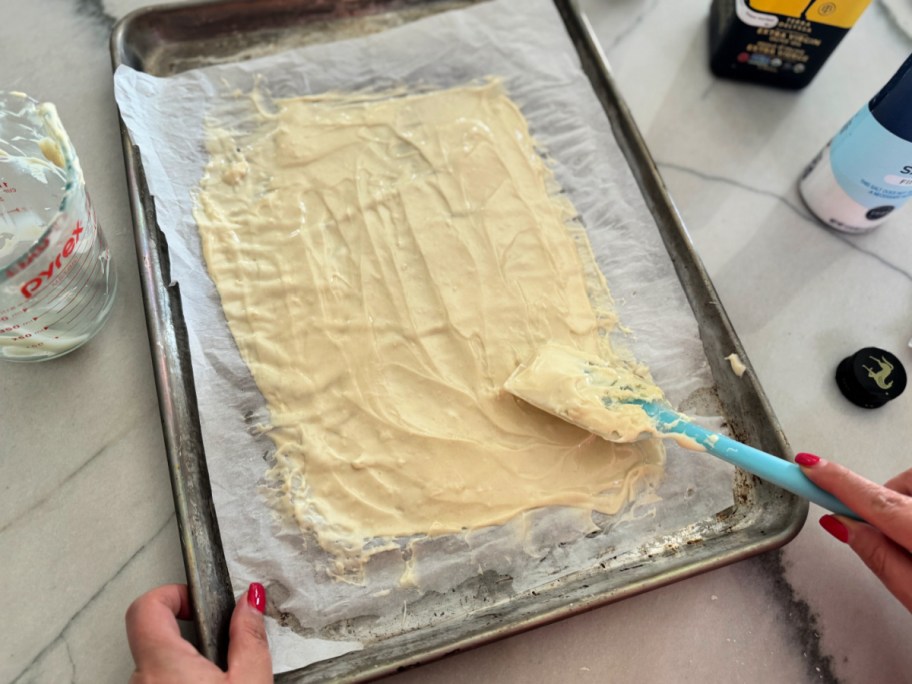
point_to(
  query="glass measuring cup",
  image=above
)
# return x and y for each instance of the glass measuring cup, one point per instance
(57, 284)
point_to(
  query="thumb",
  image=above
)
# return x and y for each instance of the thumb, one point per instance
(248, 649)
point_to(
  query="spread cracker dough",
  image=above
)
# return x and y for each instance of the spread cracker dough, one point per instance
(384, 264)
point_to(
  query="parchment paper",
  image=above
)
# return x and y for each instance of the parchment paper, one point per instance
(524, 43)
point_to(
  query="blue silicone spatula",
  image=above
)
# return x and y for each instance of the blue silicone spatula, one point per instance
(620, 403)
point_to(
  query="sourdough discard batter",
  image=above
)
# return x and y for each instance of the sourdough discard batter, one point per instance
(384, 264)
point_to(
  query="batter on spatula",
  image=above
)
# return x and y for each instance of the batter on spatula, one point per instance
(579, 388)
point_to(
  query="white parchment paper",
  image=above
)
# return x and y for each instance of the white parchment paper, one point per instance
(524, 43)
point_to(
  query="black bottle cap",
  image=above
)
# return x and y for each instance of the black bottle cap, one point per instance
(871, 377)
(891, 105)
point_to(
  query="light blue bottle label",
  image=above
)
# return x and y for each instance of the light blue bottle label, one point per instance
(871, 164)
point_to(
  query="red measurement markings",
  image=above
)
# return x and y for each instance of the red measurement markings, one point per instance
(72, 269)
(90, 301)
(74, 300)
(55, 267)
(77, 289)
(82, 274)
(94, 303)
(65, 278)
(35, 284)
(50, 293)
(33, 254)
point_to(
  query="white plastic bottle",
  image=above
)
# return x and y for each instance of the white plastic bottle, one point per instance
(865, 172)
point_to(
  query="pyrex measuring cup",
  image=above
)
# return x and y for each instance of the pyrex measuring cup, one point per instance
(56, 281)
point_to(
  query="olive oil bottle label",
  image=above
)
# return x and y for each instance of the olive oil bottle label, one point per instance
(777, 42)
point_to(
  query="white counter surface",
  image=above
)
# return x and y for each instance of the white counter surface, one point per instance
(86, 516)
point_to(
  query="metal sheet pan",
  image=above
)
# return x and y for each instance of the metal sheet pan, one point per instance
(168, 39)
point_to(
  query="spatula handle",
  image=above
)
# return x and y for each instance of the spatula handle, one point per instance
(778, 471)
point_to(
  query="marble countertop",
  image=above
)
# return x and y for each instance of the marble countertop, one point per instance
(86, 515)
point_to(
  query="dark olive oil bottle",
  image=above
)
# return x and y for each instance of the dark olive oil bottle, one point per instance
(780, 43)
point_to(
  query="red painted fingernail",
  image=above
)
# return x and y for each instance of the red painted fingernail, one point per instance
(256, 596)
(836, 528)
(807, 460)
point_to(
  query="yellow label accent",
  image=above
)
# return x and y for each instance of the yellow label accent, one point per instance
(788, 8)
(880, 377)
(841, 13)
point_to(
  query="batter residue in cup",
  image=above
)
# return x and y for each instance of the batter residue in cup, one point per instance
(385, 262)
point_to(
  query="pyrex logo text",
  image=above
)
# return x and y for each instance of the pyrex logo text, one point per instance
(33, 285)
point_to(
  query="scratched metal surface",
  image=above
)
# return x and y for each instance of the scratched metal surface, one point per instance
(172, 38)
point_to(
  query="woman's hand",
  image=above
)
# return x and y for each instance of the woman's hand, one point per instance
(162, 655)
(884, 541)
